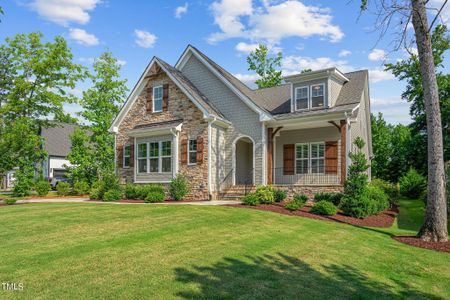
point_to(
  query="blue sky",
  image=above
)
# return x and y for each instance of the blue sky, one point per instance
(310, 34)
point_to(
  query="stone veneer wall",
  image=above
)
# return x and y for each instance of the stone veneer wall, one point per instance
(309, 190)
(194, 125)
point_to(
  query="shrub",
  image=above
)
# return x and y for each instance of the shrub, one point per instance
(334, 198)
(141, 191)
(131, 191)
(10, 201)
(112, 195)
(324, 207)
(62, 188)
(179, 187)
(81, 188)
(412, 184)
(279, 195)
(390, 189)
(42, 187)
(265, 194)
(251, 199)
(153, 197)
(23, 182)
(371, 202)
(94, 194)
(357, 179)
(297, 202)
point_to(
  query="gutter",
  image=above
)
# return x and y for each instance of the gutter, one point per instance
(211, 121)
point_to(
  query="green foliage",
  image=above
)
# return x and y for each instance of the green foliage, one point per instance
(265, 194)
(81, 188)
(265, 67)
(251, 199)
(372, 201)
(413, 185)
(390, 189)
(10, 201)
(141, 191)
(297, 202)
(112, 195)
(62, 188)
(279, 195)
(357, 179)
(42, 187)
(82, 157)
(95, 193)
(324, 208)
(334, 198)
(154, 197)
(179, 187)
(131, 191)
(24, 181)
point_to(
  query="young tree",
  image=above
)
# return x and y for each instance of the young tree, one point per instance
(265, 67)
(382, 147)
(101, 103)
(435, 223)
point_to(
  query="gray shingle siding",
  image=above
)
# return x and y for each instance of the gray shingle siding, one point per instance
(244, 120)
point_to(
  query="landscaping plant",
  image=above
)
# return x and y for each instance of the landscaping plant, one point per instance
(42, 187)
(413, 185)
(81, 188)
(141, 191)
(10, 201)
(63, 188)
(279, 195)
(324, 207)
(265, 194)
(390, 189)
(334, 198)
(112, 195)
(154, 197)
(297, 202)
(131, 191)
(179, 187)
(250, 199)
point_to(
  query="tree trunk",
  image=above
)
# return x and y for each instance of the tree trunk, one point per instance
(435, 223)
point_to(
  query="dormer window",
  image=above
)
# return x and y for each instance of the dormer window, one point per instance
(312, 96)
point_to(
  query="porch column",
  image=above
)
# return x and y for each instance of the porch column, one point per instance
(343, 151)
(269, 155)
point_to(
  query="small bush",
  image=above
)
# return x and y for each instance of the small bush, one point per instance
(112, 195)
(94, 194)
(279, 195)
(372, 201)
(334, 198)
(251, 199)
(153, 197)
(179, 187)
(300, 197)
(81, 188)
(10, 201)
(324, 207)
(390, 189)
(63, 188)
(297, 202)
(413, 185)
(42, 187)
(265, 194)
(141, 191)
(131, 191)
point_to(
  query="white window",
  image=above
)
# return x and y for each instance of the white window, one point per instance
(192, 151)
(317, 157)
(155, 157)
(157, 98)
(301, 158)
(301, 97)
(126, 156)
(317, 95)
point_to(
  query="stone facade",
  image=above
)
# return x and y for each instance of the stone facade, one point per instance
(309, 190)
(194, 125)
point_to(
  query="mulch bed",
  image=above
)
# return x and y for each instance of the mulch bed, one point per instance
(142, 201)
(417, 242)
(384, 219)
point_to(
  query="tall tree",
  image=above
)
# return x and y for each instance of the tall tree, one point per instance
(101, 103)
(33, 81)
(434, 227)
(266, 67)
(382, 147)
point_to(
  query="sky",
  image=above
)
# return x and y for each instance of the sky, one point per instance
(311, 34)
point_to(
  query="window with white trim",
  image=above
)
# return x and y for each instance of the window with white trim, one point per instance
(157, 98)
(317, 95)
(301, 158)
(126, 156)
(192, 151)
(317, 157)
(155, 157)
(301, 97)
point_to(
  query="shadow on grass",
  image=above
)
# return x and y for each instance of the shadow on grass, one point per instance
(285, 277)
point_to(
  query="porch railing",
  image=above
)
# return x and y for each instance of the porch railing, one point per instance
(306, 176)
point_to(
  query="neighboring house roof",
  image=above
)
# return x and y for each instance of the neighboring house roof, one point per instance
(57, 139)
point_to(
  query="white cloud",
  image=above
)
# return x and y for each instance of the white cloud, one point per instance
(181, 10)
(82, 37)
(378, 75)
(144, 38)
(64, 12)
(344, 53)
(394, 109)
(88, 60)
(271, 23)
(444, 17)
(248, 79)
(121, 62)
(246, 48)
(377, 54)
(295, 64)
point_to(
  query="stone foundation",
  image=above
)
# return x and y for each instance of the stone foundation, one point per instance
(309, 190)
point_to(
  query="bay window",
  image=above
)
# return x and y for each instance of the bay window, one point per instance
(126, 156)
(155, 157)
(142, 158)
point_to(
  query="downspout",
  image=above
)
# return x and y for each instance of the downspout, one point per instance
(175, 144)
(211, 121)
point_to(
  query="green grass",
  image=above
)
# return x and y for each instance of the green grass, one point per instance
(66, 251)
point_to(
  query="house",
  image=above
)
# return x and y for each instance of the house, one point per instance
(57, 143)
(198, 119)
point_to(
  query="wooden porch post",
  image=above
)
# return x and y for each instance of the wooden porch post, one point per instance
(269, 155)
(343, 151)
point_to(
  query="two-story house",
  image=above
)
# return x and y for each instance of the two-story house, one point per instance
(198, 119)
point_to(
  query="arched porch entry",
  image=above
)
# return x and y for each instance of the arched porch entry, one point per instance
(243, 161)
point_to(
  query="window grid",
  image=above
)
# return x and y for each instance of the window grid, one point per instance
(310, 158)
(312, 96)
(126, 156)
(192, 151)
(155, 157)
(157, 98)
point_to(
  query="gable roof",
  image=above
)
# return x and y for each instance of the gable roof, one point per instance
(352, 90)
(57, 139)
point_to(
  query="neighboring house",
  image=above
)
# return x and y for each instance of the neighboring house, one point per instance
(198, 119)
(57, 143)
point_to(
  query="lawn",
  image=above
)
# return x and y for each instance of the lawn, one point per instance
(62, 251)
